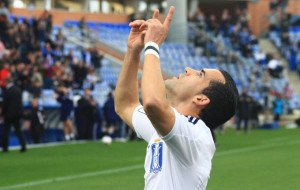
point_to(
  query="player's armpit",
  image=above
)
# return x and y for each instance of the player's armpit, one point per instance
(126, 114)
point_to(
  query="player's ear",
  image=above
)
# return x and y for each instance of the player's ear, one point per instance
(201, 100)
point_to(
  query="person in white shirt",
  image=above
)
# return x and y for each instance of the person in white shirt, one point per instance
(176, 115)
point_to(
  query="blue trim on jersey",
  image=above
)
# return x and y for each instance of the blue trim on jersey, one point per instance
(190, 119)
(196, 120)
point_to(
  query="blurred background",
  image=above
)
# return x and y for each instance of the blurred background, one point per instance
(63, 58)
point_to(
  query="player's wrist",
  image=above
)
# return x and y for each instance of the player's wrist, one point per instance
(135, 49)
(134, 53)
(152, 48)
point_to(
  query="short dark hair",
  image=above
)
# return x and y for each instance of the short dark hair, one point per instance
(223, 101)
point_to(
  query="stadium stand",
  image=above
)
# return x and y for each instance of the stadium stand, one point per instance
(231, 47)
(175, 57)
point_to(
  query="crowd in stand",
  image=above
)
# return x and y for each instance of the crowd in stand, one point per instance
(33, 60)
(235, 28)
(264, 65)
(280, 22)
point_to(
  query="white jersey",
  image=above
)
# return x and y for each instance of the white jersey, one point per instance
(180, 160)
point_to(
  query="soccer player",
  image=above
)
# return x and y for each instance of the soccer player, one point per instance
(176, 114)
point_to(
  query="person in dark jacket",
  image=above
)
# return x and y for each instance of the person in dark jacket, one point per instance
(243, 110)
(63, 96)
(111, 118)
(255, 110)
(37, 119)
(86, 112)
(12, 111)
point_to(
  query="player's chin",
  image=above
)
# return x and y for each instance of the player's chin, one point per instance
(171, 79)
(169, 82)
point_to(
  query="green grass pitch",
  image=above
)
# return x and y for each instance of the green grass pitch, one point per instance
(262, 160)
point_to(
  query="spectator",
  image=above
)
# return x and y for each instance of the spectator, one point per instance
(49, 53)
(225, 22)
(285, 42)
(47, 17)
(91, 79)
(273, 20)
(199, 17)
(111, 118)
(287, 95)
(57, 71)
(243, 19)
(86, 109)
(297, 122)
(67, 77)
(287, 92)
(212, 24)
(278, 104)
(234, 38)
(48, 74)
(265, 87)
(37, 118)
(59, 42)
(255, 110)
(80, 72)
(4, 10)
(64, 96)
(260, 57)
(96, 59)
(253, 39)
(273, 4)
(36, 76)
(35, 89)
(12, 111)
(98, 115)
(275, 67)
(86, 56)
(2, 48)
(199, 44)
(83, 27)
(285, 23)
(4, 73)
(243, 110)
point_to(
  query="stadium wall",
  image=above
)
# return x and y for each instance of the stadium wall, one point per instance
(293, 7)
(258, 16)
(60, 16)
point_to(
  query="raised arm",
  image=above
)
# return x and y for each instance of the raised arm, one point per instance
(126, 93)
(156, 106)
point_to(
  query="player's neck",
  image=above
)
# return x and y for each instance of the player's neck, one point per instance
(185, 108)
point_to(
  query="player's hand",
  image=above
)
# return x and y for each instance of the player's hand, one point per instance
(136, 36)
(155, 30)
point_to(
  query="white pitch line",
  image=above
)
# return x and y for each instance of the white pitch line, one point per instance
(51, 144)
(117, 170)
(104, 172)
(247, 149)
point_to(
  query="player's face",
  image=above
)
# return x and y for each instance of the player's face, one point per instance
(192, 82)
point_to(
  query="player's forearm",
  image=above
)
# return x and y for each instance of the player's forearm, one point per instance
(126, 92)
(153, 87)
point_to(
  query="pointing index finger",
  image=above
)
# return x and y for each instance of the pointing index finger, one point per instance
(168, 19)
(155, 14)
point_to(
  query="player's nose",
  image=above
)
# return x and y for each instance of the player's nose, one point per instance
(189, 71)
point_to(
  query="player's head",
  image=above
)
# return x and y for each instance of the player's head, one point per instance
(210, 93)
(223, 101)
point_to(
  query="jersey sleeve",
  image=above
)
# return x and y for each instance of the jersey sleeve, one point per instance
(141, 124)
(190, 140)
